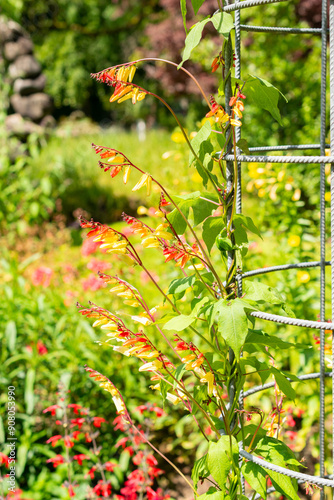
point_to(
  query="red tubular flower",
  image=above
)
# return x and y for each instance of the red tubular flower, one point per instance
(97, 421)
(154, 472)
(71, 491)
(68, 442)
(75, 434)
(91, 472)
(122, 442)
(137, 459)
(109, 466)
(4, 460)
(57, 460)
(52, 409)
(75, 407)
(158, 411)
(119, 423)
(151, 460)
(54, 440)
(80, 458)
(41, 348)
(102, 488)
(88, 438)
(78, 421)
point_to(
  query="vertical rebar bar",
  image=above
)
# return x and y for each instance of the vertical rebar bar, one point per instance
(322, 237)
(331, 72)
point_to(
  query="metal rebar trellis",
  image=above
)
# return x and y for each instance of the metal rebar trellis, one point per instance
(321, 160)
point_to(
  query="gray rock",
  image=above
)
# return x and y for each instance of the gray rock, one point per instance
(26, 86)
(48, 122)
(34, 106)
(21, 47)
(24, 67)
(10, 31)
(18, 126)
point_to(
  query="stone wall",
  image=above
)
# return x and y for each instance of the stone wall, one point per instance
(29, 107)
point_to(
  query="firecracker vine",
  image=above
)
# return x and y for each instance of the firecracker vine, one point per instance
(210, 348)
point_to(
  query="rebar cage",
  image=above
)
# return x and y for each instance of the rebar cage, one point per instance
(321, 160)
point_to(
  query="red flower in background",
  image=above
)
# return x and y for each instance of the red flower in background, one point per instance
(41, 348)
(103, 489)
(4, 459)
(54, 440)
(52, 409)
(57, 460)
(75, 407)
(97, 421)
(42, 276)
(80, 458)
(89, 246)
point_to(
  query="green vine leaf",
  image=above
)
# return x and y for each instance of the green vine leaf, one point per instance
(212, 494)
(283, 383)
(223, 23)
(233, 323)
(192, 40)
(201, 210)
(255, 477)
(265, 95)
(197, 5)
(212, 226)
(243, 145)
(243, 220)
(220, 459)
(200, 470)
(179, 323)
(259, 292)
(201, 136)
(183, 4)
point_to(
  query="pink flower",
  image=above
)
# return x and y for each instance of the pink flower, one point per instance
(92, 283)
(97, 265)
(89, 246)
(42, 276)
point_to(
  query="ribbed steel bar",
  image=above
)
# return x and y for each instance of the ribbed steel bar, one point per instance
(281, 159)
(305, 323)
(283, 267)
(237, 65)
(286, 147)
(281, 30)
(308, 376)
(248, 3)
(287, 472)
(331, 73)
(322, 237)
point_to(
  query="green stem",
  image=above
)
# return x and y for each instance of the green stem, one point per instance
(184, 390)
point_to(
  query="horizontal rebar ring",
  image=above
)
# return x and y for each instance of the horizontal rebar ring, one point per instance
(248, 3)
(287, 147)
(283, 267)
(308, 376)
(276, 318)
(287, 472)
(280, 159)
(277, 29)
